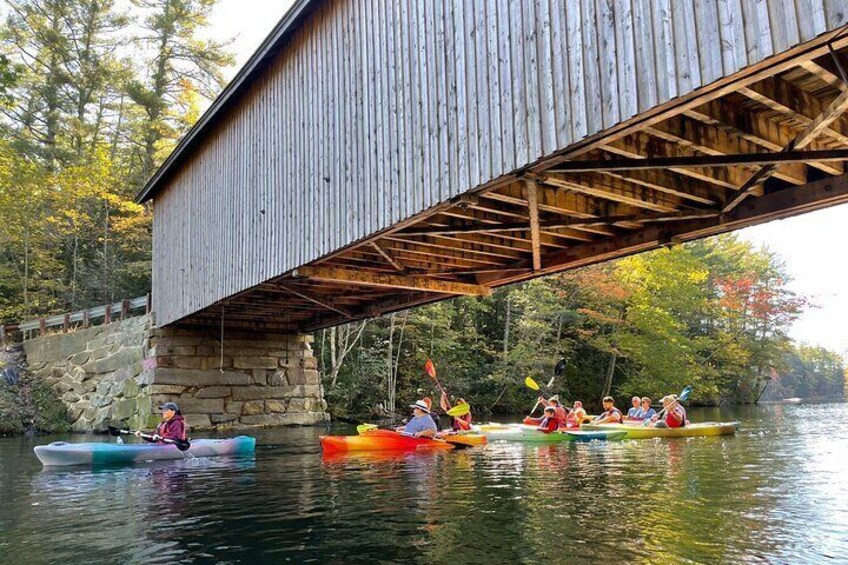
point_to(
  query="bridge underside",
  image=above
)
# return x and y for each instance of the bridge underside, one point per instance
(766, 145)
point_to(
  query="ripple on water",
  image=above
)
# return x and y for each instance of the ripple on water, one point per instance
(774, 493)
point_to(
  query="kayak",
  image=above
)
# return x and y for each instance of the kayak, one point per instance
(529, 434)
(466, 439)
(701, 429)
(381, 440)
(63, 453)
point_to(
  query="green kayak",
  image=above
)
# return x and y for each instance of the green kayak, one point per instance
(529, 434)
(702, 429)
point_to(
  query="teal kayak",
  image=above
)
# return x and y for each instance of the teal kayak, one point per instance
(63, 453)
(529, 434)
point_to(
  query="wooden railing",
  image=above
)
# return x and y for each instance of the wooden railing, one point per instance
(81, 318)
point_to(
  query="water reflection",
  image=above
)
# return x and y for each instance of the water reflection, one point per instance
(773, 493)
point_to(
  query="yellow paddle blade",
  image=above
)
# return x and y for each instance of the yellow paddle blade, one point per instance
(365, 428)
(460, 409)
(531, 383)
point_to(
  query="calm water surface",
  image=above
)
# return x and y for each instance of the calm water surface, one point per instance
(777, 492)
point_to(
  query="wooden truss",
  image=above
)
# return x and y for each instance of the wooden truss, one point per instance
(768, 143)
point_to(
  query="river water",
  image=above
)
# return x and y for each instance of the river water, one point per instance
(777, 492)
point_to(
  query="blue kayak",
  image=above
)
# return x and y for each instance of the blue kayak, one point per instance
(63, 453)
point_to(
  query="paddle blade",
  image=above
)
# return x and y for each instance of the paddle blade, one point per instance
(531, 383)
(361, 428)
(116, 431)
(430, 368)
(685, 394)
(560, 367)
(444, 403)
(460, 409)
(182, 444)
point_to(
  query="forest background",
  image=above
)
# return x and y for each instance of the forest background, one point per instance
(94, 94)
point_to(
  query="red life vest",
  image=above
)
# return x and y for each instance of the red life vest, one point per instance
(671, 421)
(462, 422)
(548, 425)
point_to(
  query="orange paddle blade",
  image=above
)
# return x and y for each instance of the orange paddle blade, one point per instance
(430, 368)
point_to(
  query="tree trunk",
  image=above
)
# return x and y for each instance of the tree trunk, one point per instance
(610, 371)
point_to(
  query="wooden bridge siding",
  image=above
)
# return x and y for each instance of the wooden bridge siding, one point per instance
(403, 105)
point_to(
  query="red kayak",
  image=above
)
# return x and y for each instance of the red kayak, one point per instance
(381, 440)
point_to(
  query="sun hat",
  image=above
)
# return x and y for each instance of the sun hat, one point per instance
(421, 405)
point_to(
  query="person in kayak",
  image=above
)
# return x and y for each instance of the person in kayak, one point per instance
(646, 413)
(611, 414)
(461, 423)
(636, 409)
(421, 424)
(675, 414)
(172, 425)
(559, 409)
(577, 415)
(549, 423)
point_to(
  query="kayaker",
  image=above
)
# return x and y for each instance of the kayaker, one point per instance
(172, 425)
(675, 414)
(561, 412)
(611, 414)
(421, 424)
(646, 413)
(549, 422)
(633, 413)
(461, 423)
(576, 416)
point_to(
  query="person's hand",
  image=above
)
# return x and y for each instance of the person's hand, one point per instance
(137, 433)
(156, 437)
(654, 418)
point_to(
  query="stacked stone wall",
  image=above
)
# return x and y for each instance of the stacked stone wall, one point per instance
(96, 371)
(121, 372)
(261, 379)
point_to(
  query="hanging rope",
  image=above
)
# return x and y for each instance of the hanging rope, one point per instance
(221, 362)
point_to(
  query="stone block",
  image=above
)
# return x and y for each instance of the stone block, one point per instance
(63, 387)
(260, 376)
(310, 363)
(218, 419)
(312, 377)
(99, 353)
(103, 387)
(124, 357)
(275, 406)
(254, 362)
(80, 358)
(75, 411)
(188, 362)
(289, 419)
(233, 406)
(215, 363)
(198, 421)
(207, 351)
(274, 392)
(99, 401)
(70, 397)
(299, 405)
(167, 376)
(198, 406)
(131, 388)
(85, 387)
(81, 425)
(214, 392)
(279, 378)
(252, 407)
(297, 376)
(166, 389)
(125, 409)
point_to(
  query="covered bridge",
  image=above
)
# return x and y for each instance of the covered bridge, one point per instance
(374, 155)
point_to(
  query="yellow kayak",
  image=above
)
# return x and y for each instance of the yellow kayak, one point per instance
(701, 429)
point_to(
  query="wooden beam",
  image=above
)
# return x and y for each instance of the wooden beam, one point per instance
(773, 206)
(533, 205)
(823, 74)
(611, 189)
(701, 161)
(711, 140)
(757, 127)
(668, 182)
(365, 278)
(320, 302)
(386, 256)
(784, 97)
(813, 130)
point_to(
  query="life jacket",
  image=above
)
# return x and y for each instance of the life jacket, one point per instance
(174, 428)
(462, 422)
(561, 416)
(680, 412)
(612, 411)
(575, 418)
(548, 425)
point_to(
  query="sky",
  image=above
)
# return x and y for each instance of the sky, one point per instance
(810, 245)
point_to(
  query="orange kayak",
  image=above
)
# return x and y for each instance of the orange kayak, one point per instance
(380, 440)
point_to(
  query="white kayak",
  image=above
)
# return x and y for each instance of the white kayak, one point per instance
(63, 453)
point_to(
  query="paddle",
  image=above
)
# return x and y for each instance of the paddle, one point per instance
(430, 369)
(558, 370)
(458, 410)
(682, 397)
(182, 444)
